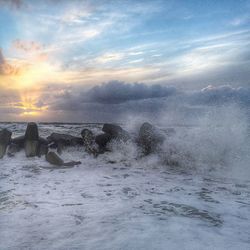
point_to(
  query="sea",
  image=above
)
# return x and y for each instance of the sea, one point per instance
(192, 194)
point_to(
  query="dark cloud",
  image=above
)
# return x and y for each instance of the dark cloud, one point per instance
(116, 100)
(118, 92)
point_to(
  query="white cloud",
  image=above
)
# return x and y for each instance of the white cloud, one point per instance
(109, 57)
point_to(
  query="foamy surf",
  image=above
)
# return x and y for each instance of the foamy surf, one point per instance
(169, 199)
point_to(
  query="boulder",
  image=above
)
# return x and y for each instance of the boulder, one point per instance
(72, 163)
(150, 138)
(111, 132)
(43, 141)
(5, 137)
(87, 137)
(31, 148)
(13, 149)
(116, 132)
(18, 141)
(31, 142)
(89, 142)
(64, 139)
(43, 146)
(102, 140)
(60, 147)
(43, 149)
(54, 159)
(31, 133)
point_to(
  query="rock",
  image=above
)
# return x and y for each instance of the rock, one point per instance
(43, 146)
(112, 132)
(31, 143)
(13, 149)
(31, 133)
(18, 141)
(149, 138)
(43, 149)
(72, 163)
(43, 141)
(64, 139)
(102, 140)
(52, 145)
(89, 142)
(31, 148)
(87, 136)
(54, 159)
(5, 137)
(116, 132)
(60, 147)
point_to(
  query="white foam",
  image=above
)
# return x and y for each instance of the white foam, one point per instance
(120, 201)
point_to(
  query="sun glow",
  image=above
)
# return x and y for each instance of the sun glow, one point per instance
(29, 105)
(36, 74)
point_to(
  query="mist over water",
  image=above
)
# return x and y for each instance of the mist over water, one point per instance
(216, 141)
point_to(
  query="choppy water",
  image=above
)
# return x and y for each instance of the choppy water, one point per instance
(118, 201)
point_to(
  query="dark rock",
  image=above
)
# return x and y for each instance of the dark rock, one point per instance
(65, 140)
(112, 132)
(43, 146)
(89, 142)
(72, 163)
(13, 149)
(60, 147)
(102, 140)
(31, 142)
(31, 133)
(5, 137)
(149, 138)
(18, 141)
(116, 132)
(87, 136)
(31, 148)
(43, 149)
(52, 145)
(43, 141)
(54, 159)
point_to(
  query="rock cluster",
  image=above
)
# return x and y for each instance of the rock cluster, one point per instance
(149, 140)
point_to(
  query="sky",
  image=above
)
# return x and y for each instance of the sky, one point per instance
(103, 60)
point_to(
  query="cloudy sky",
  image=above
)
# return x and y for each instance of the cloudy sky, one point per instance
(100, 60)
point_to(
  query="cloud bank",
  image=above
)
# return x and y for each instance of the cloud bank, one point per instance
(115, 100)
(115, 92)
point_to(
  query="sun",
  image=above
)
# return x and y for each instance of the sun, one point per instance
(28, 105)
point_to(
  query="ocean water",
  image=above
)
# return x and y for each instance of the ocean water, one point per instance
(192, 194)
